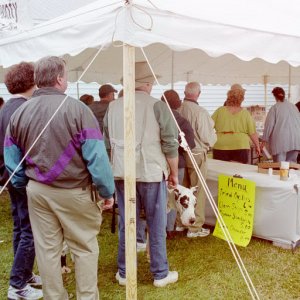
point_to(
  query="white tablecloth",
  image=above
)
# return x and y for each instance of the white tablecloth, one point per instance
(277, 209)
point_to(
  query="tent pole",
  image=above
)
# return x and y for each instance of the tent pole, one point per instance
(129, 170)
(172, 71)
(266, 94)
(77, 88)
(290, 73)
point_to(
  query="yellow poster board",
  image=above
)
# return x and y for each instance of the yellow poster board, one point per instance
(236, 198)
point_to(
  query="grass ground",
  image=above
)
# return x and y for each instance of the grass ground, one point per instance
(206, 267)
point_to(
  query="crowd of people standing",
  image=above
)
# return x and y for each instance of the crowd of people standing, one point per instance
(51, 190)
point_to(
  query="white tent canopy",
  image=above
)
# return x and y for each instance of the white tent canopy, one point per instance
(261, 33)
(213, 42)
(172, 66)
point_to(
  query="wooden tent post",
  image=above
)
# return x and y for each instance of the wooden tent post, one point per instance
(129, 169)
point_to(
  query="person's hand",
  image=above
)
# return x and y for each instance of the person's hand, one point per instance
(258, 150)
(172, 180)
(108, 203)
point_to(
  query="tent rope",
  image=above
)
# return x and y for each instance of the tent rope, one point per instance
(47, 124)
(216, 211)
(129, 5)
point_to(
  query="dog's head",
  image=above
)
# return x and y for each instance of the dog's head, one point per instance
(185, 200)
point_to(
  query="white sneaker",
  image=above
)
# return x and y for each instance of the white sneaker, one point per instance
(35, 280)
(27, 293)
(171, 278)
(180, 228)
(141, 247)
(203, 232)
(121, 280)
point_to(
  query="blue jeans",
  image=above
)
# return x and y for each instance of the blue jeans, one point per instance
(23, 244)
(152, 196)
(171, 219)
(141, 231)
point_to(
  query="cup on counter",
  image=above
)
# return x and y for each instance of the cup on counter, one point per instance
(284, 170)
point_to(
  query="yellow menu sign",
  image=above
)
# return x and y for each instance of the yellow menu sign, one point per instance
(236, 198)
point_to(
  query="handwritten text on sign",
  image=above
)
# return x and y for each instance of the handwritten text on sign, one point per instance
(236, 198)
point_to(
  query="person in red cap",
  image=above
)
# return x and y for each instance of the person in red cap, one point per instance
(282, 129)
(99, 108)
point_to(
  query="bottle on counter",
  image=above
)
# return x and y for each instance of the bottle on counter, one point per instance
(284, 170)
(270, 171)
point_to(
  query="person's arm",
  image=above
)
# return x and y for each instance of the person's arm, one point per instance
(206, 131)
(169, 136)
(255, 141)
(188, 133)
(269, 125)
(173, 176)
(105, 131)
(251, 130)
(97, 162)
(12, 158)
(96, 158)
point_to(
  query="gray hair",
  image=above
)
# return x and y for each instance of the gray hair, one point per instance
(47, 69)
(192, 88)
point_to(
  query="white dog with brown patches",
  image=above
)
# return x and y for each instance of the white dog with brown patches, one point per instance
(185, 203)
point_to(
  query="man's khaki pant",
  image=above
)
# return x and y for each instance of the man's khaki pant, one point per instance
(65, 214)
(191, 179)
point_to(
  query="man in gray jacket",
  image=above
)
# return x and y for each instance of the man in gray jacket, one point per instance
(58, 174)
(205, 137)
(156, 148)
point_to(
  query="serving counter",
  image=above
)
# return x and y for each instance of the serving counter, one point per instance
(277, 209)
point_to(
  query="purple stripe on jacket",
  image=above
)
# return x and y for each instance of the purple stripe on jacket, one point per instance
(66, 156)
(9, 141)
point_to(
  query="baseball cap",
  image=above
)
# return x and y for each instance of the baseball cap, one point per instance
(106, 89)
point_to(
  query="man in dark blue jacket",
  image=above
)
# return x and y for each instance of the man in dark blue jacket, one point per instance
(20, 83)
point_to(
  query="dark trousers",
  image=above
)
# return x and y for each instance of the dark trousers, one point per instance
(240, 155)
(23, 244)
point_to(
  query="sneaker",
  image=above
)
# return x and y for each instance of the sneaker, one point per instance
(27, 293)
(180, 228)
(171, 278)
(35, 281)
(206, 230)
(121, 280)
(203, 232)
(141, 247)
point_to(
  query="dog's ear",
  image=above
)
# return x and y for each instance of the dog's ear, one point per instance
(194, 190)
(176, 193)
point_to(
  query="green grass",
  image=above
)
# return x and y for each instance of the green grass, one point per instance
(206, 267)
